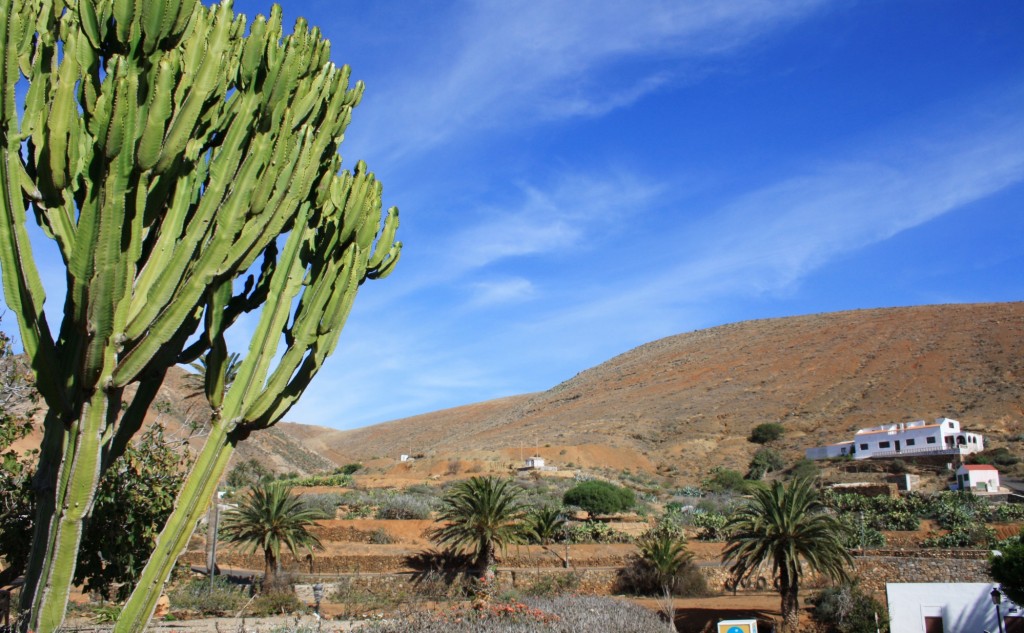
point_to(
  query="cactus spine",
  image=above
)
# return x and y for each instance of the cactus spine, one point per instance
(187, 173)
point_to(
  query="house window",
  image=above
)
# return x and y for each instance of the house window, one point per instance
(931, 440)
(950, 425)
(883, 445)
(863, 447)
(910, 442)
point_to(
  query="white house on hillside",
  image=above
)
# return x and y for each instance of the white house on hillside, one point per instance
(942, 437)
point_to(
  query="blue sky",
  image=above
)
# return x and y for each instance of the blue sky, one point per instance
(580, 177)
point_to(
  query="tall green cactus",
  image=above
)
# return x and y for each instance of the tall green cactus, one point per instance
(185, 165)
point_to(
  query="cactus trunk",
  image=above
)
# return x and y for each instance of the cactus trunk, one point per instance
(165, 148)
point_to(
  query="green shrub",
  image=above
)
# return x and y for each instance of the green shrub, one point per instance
(664, 563)
(348, 469)
(550, 585)
(337, 480)
(766, 460)
(1008, 570)
(847, 609)
(534, 615)
(689, 491)
(711, 524)
(380, 536)
(595, 532)
(599, 497)
(280, 601)
(805, 469)
(860, 533)
(723, 480)
(325, 503)
(1007, 512)
(997, 457)
(223, 598)
(767, 432)
(403, 506)
(977, 535)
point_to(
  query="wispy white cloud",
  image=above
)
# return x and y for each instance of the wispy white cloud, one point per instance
(566, 215)
(503, 291)
(507, 64)
(769, 240)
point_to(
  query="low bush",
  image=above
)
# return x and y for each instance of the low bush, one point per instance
(689, 491)
(860, 533)
(380, 536)
(404, 506)
(222, 598)
(766, 460)
(997, 457)
(534, 615)
(976, 535)
(599, 497)
(325, 503)
(711, 524)
(595, 532)
(847, 609)
(348, 469)
(1007, 512)
(637, 579)
(339, 480)
(805, 469)
(551, 585)
(723, 480)
(767, 432)
(280, 601)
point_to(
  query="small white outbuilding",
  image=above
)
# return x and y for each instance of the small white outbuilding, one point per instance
(980, 477)
(535, 462)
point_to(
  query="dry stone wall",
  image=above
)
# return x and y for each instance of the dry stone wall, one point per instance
(376, 573)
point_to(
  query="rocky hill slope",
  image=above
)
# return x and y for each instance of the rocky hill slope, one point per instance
(681, 405)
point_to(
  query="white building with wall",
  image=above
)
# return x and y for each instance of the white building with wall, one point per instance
(980, 477)
(937, 607)
(941, 437)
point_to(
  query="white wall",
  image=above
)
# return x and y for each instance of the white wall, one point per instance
(964, 606)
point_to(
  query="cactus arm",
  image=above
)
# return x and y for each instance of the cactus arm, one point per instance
(23, 289)
(195, 494)
(77, 480)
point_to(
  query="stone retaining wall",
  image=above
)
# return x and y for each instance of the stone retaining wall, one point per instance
(873, 571)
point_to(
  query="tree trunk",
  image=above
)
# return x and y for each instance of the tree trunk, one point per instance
(269, 568)
(790, 604)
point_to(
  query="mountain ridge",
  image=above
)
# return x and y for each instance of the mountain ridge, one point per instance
(685, 401)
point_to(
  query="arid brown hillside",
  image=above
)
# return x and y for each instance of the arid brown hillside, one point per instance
(184, 413)
(686, 403)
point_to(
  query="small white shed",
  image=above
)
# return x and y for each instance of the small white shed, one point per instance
(536, 463)
(981, 477)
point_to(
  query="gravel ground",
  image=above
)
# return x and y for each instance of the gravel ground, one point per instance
(278, 624)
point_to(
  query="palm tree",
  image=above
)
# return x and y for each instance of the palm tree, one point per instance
(545, 524)
(481, 514)
(269, 517)
(788, 528)
(664, 555)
